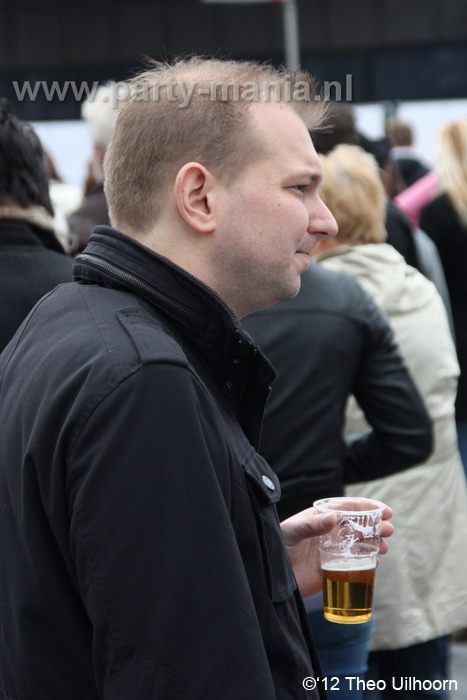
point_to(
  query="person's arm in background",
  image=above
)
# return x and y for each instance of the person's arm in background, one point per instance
(414, 198)
(432, 267)
(399, 234)
(401, 434)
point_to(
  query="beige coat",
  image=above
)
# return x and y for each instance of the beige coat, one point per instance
(421, 584)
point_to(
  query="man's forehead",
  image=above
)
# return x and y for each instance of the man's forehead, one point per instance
(273, 116)
(285, 137)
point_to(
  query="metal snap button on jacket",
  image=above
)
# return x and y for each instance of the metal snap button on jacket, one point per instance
(270, 484)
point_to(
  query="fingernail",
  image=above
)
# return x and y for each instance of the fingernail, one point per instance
(326, 519)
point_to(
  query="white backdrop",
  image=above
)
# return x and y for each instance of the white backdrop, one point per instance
(69, 145)
(425, 117)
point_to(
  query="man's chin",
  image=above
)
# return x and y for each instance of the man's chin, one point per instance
(297, 288)
(293, 289)
(279, 293)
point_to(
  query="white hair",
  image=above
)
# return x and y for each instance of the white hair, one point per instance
(100, 111)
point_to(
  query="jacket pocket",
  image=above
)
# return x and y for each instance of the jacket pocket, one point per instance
(145, 680)
(264, 490)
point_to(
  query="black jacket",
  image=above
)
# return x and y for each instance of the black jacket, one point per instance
(32, 262)
(400, 236)
(411, 169)
(327, 343)
(440, 221)
(141, 554)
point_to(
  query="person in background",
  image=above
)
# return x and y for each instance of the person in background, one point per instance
(445, 221)
(340, 126)
(32, 261)
(326, 343)
(421, 595)
(398, 230)
(345, 131)
(415, 246)
(65, 199)
(100, 113)
(412, 200)
(404, 153)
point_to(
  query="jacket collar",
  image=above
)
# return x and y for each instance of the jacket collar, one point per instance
(238, 367)
(14, 232)
(35, 215)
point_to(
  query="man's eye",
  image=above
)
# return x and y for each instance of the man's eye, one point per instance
(300, 188)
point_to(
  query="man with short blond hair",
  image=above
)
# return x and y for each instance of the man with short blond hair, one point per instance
(190, 111)
(141, 552)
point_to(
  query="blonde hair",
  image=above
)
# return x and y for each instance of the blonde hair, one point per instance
(353, 191)
(450, 151)
(159, 129)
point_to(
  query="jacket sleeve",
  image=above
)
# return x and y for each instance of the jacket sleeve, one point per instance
(401, 434)
(157, 562)
(431, 222)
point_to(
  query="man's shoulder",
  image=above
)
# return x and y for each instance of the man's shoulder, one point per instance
(81, 347)
(130, 327)
(105, 330)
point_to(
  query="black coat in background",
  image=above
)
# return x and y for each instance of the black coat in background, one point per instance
(400, 236)
(92, 212)
(32, 263)
(441, 222)
(328, 342)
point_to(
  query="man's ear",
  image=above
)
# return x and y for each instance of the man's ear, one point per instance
(194, 187)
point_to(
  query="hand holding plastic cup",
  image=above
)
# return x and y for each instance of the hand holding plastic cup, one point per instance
(349, 555)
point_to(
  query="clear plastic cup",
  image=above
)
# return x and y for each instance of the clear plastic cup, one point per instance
(349, 555)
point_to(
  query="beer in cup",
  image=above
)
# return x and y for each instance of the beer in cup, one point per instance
(348, 558)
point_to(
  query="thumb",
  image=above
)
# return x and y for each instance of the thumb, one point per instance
(306, 524)
(328, 521)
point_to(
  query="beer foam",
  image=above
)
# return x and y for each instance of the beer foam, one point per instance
(350, 564)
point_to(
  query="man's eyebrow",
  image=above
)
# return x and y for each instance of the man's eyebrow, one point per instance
(312, 177)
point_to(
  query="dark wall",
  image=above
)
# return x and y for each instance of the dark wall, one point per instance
(394, 49)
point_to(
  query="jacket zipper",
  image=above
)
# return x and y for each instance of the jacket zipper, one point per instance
(136, 284)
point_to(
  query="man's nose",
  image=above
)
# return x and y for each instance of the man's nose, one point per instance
(322, 221)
